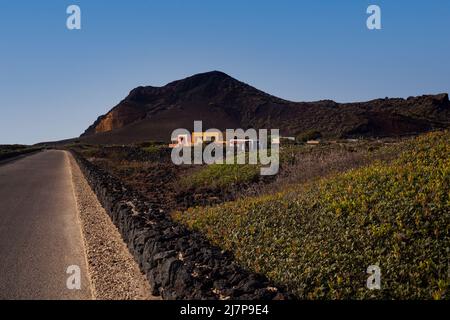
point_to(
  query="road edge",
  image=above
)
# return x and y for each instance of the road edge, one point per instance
(113, 273)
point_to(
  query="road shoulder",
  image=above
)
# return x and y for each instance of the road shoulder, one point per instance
(114, 273)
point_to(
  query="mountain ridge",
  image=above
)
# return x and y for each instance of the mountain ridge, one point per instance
(220, 101)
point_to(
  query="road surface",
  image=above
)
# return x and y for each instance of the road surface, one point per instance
(40, 233)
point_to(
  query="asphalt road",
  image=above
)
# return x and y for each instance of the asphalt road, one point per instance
(40, 232)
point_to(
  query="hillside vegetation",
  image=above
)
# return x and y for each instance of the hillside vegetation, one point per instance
(221, 176)
(319, 237)
(14, 150)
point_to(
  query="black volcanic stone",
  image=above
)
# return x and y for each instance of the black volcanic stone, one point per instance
(178, 263)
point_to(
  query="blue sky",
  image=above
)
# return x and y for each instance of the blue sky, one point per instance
(55, 82)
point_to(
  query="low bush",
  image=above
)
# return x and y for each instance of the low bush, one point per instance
(220, 176)
(308, 135)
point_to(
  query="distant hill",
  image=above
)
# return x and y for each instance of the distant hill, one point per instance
(220, 101)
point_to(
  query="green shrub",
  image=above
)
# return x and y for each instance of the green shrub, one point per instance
(150, 144)
(308, 135)
(153, 148)
(221, 175)
(11, 151)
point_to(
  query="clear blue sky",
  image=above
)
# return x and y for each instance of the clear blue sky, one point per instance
(55, 82)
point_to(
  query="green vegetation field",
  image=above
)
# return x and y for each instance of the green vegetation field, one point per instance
(14, 150)
(318, 238)
(220, 176)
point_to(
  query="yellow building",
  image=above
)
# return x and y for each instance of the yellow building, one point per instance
(196, 138)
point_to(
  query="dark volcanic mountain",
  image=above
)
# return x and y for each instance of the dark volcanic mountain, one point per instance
(220, 101)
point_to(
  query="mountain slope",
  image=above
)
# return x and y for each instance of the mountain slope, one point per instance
(220, 101)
